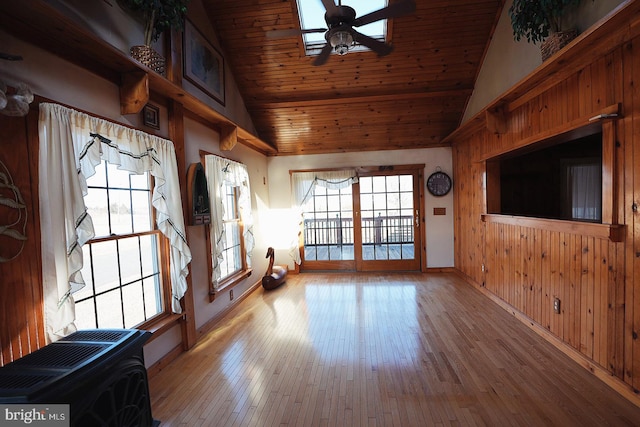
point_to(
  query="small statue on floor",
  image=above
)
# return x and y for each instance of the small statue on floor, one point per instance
(275, 275)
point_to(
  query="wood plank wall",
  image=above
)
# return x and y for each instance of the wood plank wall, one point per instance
(20, 279)
(525, 266)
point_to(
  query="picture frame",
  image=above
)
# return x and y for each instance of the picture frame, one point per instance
(151, 116)
(203, 64)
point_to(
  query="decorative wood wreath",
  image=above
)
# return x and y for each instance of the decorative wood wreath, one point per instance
(15, 202)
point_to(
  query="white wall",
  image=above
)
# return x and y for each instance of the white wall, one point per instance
(234, 107)
(507, 61)
(439, 229)
(107, 20)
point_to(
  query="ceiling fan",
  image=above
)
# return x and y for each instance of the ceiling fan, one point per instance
(340, 33)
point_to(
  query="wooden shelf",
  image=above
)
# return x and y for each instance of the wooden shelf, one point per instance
(40, 24)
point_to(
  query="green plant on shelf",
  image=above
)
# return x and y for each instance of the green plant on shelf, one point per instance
(536, 19)
(158, 16)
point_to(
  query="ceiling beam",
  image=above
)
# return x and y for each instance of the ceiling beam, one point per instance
(256, 105)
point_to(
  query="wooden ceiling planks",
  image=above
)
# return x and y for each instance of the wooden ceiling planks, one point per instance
(414, 97)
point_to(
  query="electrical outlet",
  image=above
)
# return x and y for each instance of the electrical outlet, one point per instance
(482, 267)
(556, 305)
(231, 295)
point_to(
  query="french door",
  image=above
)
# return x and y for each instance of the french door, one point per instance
(374, 225)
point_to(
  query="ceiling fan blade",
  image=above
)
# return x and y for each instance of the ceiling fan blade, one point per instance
(324, 55)
(330, 7)
(377, 46)
(392, 11)
(279, 34)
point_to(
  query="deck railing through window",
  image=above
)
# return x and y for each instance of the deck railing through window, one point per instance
(339, 231)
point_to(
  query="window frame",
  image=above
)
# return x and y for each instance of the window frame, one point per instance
(555, 154)
(609, 227)
(236, 219)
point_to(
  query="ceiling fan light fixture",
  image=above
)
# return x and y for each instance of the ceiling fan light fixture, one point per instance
(341, 41)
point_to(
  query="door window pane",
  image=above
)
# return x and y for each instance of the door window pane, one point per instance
(387, 222)
(328, 225)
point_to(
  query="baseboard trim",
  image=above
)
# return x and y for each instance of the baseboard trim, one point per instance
(165, 361)
(213, 322)
(622, 388)
(441, 270)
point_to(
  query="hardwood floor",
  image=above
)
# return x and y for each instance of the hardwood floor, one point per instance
(406, 349)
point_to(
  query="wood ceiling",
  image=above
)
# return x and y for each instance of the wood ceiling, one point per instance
(412, 98)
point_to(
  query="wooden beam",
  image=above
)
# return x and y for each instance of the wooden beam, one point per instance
(495, 120)
(228, 137)
(609, 184)
(176, 114)
(256, 104)
(134, 92)
(580, 126)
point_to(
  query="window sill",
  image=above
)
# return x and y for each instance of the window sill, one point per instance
(161, 324)
(229, 283)
(613, 232)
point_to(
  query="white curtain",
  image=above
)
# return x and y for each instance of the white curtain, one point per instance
(303, 184)
(71, 145)
(221, 172)
(586, 191)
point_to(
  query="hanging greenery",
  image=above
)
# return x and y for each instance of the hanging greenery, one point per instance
(158, 16)
(536, 19)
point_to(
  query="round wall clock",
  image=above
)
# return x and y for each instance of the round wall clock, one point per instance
(439, 183)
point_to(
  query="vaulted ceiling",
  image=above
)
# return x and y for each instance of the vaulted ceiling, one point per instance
(411, 98)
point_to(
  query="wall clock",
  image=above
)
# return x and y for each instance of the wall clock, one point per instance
(439, 183)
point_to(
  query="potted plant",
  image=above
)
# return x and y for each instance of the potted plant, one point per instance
(541, 21)
(157, 16)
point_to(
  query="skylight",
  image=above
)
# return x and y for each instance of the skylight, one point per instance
(312, 16)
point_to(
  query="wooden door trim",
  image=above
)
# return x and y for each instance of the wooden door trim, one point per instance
(418, 264)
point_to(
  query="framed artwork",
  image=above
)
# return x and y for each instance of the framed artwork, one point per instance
(151, 116)
(203, 64)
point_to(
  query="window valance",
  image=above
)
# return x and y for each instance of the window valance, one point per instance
(302, 185)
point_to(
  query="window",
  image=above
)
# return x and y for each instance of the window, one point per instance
(312, 16)
(72, 145)
(387, 213)
(233, 247)
(230, 234)
(122, 263)
(328, 224)
(363, 219)
(582, 184)
(554, 179)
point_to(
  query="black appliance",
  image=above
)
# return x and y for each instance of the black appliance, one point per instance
(99, 373)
